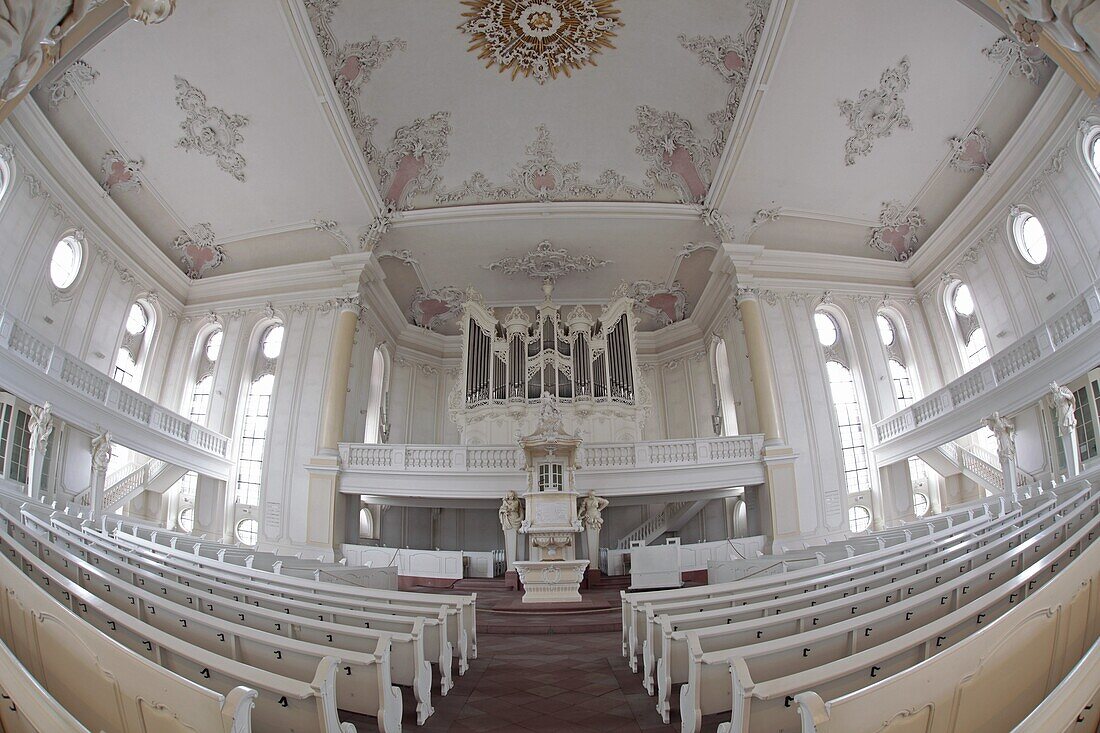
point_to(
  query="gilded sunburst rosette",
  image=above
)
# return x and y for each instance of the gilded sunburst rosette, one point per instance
(540, 38)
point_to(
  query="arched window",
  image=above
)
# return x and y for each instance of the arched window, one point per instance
(846, 404)
(257, 410)
(727, 408)
(373, 432)
(5, 173)
(1090, 149)
(136, 338)
(65, 261)
(963, 313)
(199, 407)
(897, 360)
(1029, 236)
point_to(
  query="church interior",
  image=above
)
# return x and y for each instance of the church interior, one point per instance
(549, 365)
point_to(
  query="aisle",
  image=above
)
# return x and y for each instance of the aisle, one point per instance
(556, 683)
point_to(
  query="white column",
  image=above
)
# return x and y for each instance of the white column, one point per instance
(101, 457)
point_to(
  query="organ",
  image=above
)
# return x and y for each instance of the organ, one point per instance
(588, 365)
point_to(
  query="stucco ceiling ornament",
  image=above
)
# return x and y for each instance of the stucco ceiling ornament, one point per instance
(333, 229)
(897, 231)
(409, 165)
(198, 251)
(732, 58)
(118, 173)
(665, 303)
(677, 159)
(372, 234)
(546, 263)
(543, 178)
(970, 152)
(876, 113)
(719, 223)
(540, 38)
(1021, 60)
(76, 77)
(430, 308)
(210, 130)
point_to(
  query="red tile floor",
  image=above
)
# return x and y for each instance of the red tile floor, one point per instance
(561, 678)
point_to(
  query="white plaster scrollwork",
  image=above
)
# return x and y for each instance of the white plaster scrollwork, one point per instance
(540, 39)
(35, 187)
(76, 77)
(666, 303)
(768, 296)
(332, 229)
(409, 165)
(690, 248)
(543, 178)
(118, 173)
(1053, 166)
(897, 231)
(403, 256)
(765, 216)
(371, 235)
(877, 112)
(430, 308)
(210, 130)
(546, 263)
(719, 223)
(150, 12)
(676, 157)
(1020, 60)
(970, 152)
(198, 251)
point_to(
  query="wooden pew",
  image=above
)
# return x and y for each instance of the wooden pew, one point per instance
(775, 619)
(997, 678)
(432, 629)
(281, 703)
(329, 593)
(844, 657)
(27, 707)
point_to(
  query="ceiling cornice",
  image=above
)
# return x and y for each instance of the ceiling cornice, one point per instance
(767, 56)
(334, 276)
(480, 213)
(313, 65)
(51, 159)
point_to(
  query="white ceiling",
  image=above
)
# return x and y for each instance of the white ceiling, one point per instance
(259, 58)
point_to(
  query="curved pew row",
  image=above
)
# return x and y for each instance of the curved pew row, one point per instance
(464, 605)
(736, 624)
(796, 593)
(633, 603)
(124, 584)
(363, 686)
(281, 703)
(439, 620)
(845, 657)
(27, 707)
(994, 678)
(409, 637)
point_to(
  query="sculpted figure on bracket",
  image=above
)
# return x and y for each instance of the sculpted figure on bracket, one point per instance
(41, 424)
(1072, 24)
(591, 510)
(511, 514)
(1004, 429)
(1061, 399)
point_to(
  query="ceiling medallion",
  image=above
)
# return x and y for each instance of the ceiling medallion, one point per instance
(540, 38)
(546, 263)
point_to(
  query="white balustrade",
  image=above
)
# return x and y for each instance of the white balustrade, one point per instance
(1031, 360)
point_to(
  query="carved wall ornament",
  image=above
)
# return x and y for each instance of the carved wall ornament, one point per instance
(732, 58)
(543, 178)
(677, 159)
(897, 232)
(540, 38)
(7, 153)
(34, 185)
(690, 248)
(371, 235)
(198, 251)
(430, 308)
(765, 216)
(118, 173)
(768, 296)
(877, 112)
(210, 130)
(402, 255)
(76, 77)
(546, 263)
(719, 223)
(970, 152)
(409, 165)
(666, 303)
(1025, 61)
(1053, 166)
(333, 229)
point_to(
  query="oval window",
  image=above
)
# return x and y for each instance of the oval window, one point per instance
(65, 262)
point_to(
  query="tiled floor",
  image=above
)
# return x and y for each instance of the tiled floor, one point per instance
(552, 682)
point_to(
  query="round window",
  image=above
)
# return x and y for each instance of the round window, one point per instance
(886, 330)
(920, 504)
(214, 345)
(859, 518)
(827, 332)
(248, 531)
(186, 519)
(1094, 153)
(272, 344)
(1030, 238)
(65, 262)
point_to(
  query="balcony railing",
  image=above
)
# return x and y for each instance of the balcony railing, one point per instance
(64, 375)
(1029, 363)
(622, 468)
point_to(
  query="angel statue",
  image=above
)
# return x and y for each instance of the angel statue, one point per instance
(511, 516)
(1061, 399)
(591, 511)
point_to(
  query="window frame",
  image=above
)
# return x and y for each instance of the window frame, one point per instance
(80, 246)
